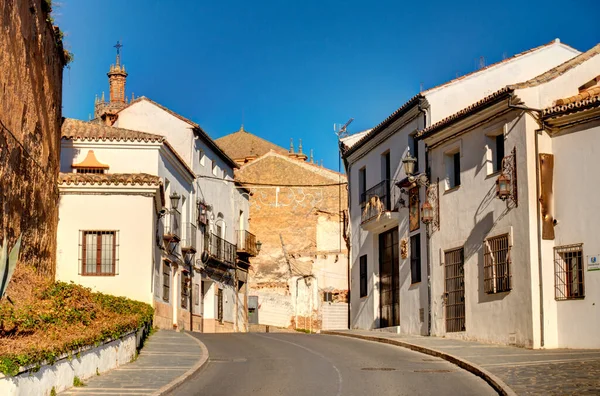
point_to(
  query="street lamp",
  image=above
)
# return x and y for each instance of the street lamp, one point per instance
(258, 246)
(409, 164)
(174, 200)
(427, 212)
(503, 187)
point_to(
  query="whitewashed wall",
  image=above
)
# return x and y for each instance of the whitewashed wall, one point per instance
(471, 213)
(453, 97)
(130, 215)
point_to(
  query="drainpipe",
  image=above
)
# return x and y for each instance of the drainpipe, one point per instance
(537, 191)
(427, 236)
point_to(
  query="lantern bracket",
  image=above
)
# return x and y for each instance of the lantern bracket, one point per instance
(509, 169)
(432, 195)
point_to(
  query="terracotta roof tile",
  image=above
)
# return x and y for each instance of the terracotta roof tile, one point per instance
(197, 128)
(92, 131)
(243, 144)
(574, 104)
(108, 179)
(560, 69)
(412, 101)
(498, 95)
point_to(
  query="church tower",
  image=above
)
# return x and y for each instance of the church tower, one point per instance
(117, 76)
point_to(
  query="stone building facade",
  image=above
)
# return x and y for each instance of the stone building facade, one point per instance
(299, 278)
(32, 61)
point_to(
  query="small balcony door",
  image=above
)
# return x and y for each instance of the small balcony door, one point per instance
(389, 290)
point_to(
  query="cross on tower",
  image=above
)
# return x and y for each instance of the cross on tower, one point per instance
(118, 46)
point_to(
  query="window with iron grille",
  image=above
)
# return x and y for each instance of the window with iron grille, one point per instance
(496, 266)
(98, 253)
(166, 280)
(568, 272)
(363, 275)
(327, 297)
(415, 258)
(91, 170)
(185, 290)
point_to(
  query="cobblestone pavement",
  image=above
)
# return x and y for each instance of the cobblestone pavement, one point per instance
(525, 371)
(166, 356)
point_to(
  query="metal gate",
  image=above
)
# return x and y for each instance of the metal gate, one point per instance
(389, 266)
(455, 290)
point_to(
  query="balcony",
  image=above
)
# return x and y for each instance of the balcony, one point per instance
(246, 243)
(188, 243)
(219, 249)
(375, 206)
(172, 226)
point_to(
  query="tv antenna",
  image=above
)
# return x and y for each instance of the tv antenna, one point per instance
(341, 130)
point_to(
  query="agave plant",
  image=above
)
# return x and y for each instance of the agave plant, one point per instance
(8, 263)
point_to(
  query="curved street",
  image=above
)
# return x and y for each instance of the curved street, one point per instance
(272, 364)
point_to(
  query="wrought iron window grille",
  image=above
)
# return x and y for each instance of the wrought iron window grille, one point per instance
(98, 253)
(569, 272)
(497, 276)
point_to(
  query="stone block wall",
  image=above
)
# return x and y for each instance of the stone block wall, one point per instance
(31, 69)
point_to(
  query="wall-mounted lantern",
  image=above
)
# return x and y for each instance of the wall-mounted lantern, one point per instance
(258, 246)
(503, 187)
(409, 164)
(427, 212)
(174, 200)
(506, 184)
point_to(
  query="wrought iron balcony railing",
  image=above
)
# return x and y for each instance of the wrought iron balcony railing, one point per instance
(375, 200)
(246, 243)
(219, 249)
(188, 243)
(172, 225)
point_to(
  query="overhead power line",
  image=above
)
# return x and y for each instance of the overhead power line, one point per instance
(243, 183)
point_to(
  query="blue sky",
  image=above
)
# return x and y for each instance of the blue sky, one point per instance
(292, 69)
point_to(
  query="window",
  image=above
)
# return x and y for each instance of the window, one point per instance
(99, 254)
(196, 294)
(452, 170)
(327, 297)
(201, 157)
(414, 149)
(363, 275)
(185, 289)
(568, 272)
(166, 280)
(362, 185)
(220, 305)
(415, 258)
(496, 265)
(495, 153)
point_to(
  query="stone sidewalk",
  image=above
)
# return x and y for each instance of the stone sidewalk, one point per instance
(167, 359)
(524, 371)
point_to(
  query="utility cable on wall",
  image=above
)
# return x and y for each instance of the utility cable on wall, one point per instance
(272, 184)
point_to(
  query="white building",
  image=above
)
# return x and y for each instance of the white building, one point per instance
(389, 272)
(520, 270)
(190, 247)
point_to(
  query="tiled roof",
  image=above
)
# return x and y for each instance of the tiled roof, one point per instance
(108, 179)
(93, 131)
(414, 100)
(382, 125)
(496, 96)
(560, 69)
(243, 144)
(197, 128)
(585, 100)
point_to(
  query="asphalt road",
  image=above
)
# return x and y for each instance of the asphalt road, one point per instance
(300, 364)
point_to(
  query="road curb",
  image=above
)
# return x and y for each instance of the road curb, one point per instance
(499, 386)
(179, 380)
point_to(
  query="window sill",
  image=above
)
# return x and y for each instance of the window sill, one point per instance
(451, 190)
(570, 298)
(493, 175)
(415, 283)
(104, 275)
